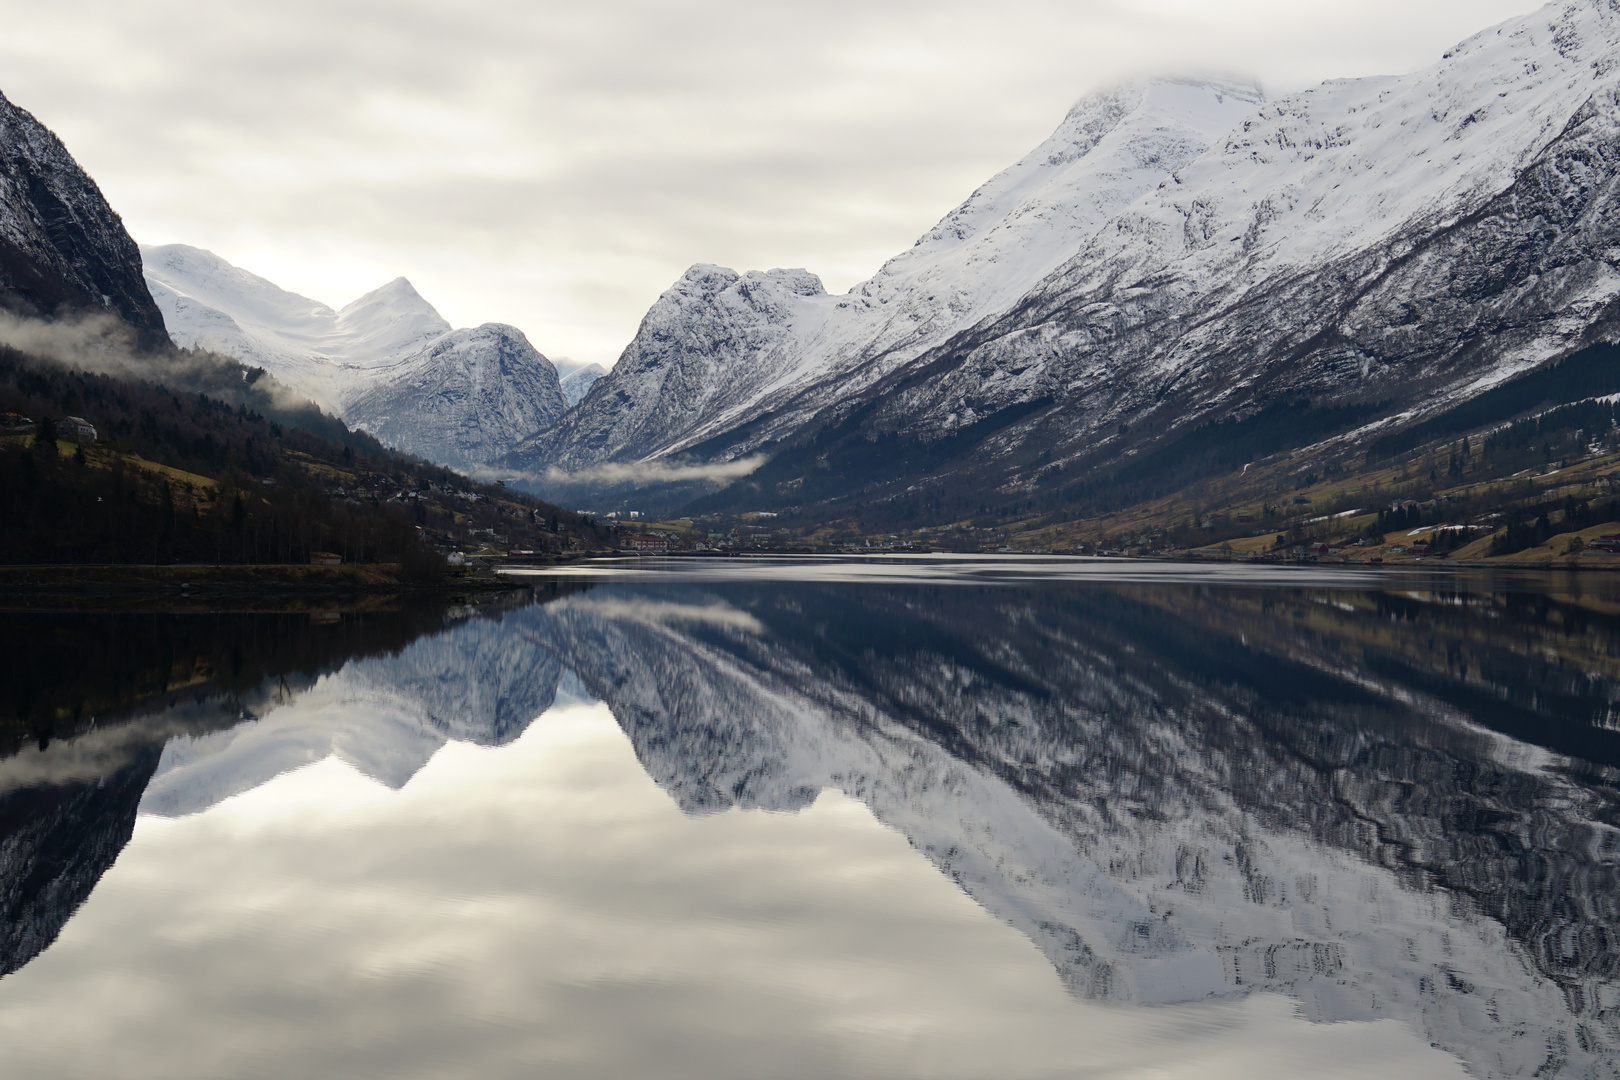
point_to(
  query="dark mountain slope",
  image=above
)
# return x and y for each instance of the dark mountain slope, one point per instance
(61, 246)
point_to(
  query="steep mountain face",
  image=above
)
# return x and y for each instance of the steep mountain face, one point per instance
(719, 348)
(55, 844)
(706, 347)
(68, 807)
(61, 246)
(577, 379)
(388, 362)
(464, 400)
(1403, 240)
(1381, 247)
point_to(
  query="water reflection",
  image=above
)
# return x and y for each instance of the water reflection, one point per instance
(1389, 804)
(94, 701)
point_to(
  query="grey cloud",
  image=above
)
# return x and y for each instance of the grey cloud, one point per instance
(101, 343)
(556, 165)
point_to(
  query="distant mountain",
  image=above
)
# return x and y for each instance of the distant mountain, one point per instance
(61, 246)
(1178, 255)
(577, 379)
(462, 401)
(213, 305)
(388, 363)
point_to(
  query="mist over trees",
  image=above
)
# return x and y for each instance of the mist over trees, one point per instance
(188, 476)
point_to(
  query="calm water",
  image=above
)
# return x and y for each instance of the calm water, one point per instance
(913, 818)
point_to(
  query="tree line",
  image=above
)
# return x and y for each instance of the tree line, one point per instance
(190, 476)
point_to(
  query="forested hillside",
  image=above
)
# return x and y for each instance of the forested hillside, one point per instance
(233, 476)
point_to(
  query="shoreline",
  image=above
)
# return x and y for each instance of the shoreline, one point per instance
(209, 579)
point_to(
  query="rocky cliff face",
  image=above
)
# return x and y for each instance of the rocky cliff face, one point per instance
(68, 807)
(462, 401)
(61, 246)
(706, 348)
(55, 843)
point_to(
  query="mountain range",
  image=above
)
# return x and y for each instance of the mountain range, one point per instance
(1186, 277)
(387, 363)
(1178, 256)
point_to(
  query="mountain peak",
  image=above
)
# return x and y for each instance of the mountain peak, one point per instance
(464, 398)
(392, 321)
(396, 296)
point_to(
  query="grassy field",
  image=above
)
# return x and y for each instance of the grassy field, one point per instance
(1243, 514)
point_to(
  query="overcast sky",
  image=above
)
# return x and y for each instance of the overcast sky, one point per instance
(557, 165)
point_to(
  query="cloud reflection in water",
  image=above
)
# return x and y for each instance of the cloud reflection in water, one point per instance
(545, 907)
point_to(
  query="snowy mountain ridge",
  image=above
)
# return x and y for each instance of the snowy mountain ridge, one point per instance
(388, 362)
(211, 304)
(719, 346)
(1392, 243)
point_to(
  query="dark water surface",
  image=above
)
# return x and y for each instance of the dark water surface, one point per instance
(912, 818)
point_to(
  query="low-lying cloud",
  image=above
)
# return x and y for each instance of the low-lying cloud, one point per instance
(656, 472)
(99, 342)
(637, 473)
(103, 344)
(651, 611)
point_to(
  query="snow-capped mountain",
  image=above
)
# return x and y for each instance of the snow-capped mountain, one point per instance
(719, 348)
(388, 362)
(577, 379)
(210, 304)
(1392, 243)
(463, 400)
(61, 246)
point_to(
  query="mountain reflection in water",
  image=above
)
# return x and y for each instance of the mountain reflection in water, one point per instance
(1378, 803)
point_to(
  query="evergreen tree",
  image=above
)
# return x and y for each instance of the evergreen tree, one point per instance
(45, 437)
